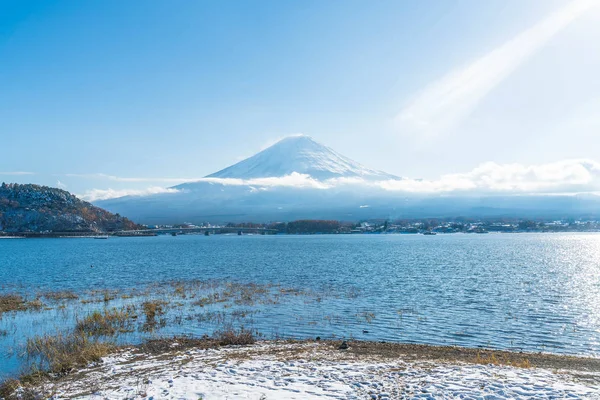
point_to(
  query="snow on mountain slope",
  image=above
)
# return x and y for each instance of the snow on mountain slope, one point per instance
(303, 155)
(296, 179)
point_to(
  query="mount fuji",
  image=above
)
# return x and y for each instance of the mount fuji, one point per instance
(300, 154)
(299, 178)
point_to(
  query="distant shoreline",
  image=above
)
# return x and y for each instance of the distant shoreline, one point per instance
(35, 235)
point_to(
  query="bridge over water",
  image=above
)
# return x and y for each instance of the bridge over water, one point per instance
(204, 230)
(149, 232)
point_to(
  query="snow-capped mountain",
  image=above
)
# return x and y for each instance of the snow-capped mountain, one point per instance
(303, 155)
(299, 178)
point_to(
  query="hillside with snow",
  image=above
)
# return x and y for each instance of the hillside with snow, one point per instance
(34, 208)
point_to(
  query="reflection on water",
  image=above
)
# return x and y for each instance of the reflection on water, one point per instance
(533, 292)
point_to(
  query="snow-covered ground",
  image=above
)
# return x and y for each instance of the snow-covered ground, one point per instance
(311, 371)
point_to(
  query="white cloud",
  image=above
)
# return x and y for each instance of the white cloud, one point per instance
(562, 177)
(61, 185)
(114, 178)
(104, 194)
(446, 102)
(578, 175)
(16, 173)
(294, 179)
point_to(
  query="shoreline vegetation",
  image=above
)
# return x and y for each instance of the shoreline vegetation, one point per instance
(106, 329)
(316, 227)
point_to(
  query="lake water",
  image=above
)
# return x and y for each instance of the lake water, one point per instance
(531, 292)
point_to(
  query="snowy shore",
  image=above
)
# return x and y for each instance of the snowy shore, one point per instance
(312, 370)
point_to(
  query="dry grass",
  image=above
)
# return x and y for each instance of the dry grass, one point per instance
(232, 337)
(152, 310)
(60, 295)
(165, 345)
(16, 302)
(180, 290)
(492, 359)
(108, 296)
(107, 323)
(210, 299)
(61, 353)
(35, 304)
(12, 302)
(8, 388)
(24, 388)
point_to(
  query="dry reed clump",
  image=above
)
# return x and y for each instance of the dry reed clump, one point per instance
(232, 337)
(35, 304)
(12, 302)
(107, 323)
(210, 299)
(492, 359)
(180, 290)
(60, 295)
(61, 353)
(23, 388)
(8, 388)
(164, 345)
(100, 296)
(152, 309)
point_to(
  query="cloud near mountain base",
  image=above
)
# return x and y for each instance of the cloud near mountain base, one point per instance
(560, 177)
(563, 177)
(105, 194)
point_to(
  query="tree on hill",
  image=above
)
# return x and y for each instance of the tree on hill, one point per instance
(35, 208)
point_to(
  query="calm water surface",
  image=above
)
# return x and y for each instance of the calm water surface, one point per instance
(533, 292)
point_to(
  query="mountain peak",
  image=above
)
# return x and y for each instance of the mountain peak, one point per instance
(301, 154)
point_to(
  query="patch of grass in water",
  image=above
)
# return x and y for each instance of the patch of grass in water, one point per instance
(60, 295)
(16, 302)
(153, 309)
(12, 302)
(106, 323)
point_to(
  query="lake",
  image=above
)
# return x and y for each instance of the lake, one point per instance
(530, 292)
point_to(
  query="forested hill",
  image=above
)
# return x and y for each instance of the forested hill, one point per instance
(34, 208)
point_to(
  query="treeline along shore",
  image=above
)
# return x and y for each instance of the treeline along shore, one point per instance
(309, 226)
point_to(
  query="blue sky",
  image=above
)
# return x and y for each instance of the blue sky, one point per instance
(161, 91)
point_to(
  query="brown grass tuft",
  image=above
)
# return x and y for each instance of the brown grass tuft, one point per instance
(507, 361)
(12, 302)
(152, 310)
(61, 353)
(60, 295)
(107, 323)
(232, 337)
(35, 304)
(8, 388)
